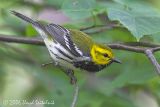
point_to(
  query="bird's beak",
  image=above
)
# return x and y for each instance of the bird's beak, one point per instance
(116, 60)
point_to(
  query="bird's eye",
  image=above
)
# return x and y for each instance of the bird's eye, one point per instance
(105, 55)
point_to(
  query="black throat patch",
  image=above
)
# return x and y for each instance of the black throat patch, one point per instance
(89, 66)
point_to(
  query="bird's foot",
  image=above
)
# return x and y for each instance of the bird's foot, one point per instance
(73, 79)
(52, 62)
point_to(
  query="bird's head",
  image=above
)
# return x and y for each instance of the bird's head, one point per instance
(102, 55)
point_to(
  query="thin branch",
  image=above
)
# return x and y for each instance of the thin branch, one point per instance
(121, 46)
(91, 27)
(155, 49)
(108, 26)
(36, 41)
(100, 28)
(75, 96)
(144, 44)
(95, 31)
(149, 54)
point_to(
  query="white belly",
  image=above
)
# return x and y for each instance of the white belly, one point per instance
(62, 60)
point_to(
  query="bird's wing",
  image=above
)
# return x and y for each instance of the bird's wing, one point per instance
(63, 37)
(82, 41)
(76, 42)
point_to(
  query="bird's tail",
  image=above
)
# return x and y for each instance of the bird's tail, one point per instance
(39, 27)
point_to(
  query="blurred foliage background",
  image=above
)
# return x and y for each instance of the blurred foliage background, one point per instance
(131, 84)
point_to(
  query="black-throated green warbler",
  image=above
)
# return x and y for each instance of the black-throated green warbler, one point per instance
(72, 49)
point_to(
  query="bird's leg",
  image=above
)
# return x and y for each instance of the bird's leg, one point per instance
(46, 64)
(70, 74)
(51, 62)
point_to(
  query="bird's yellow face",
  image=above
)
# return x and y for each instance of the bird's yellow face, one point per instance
(101, 55)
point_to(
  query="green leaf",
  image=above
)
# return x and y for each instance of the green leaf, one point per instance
(79, 9)
(156, 37)
(138, 17)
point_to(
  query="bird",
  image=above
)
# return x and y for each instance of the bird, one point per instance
(72, 49)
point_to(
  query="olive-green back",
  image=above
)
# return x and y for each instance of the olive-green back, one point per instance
(82, 41)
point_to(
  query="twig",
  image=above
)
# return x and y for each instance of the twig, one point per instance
(96, 30)
(36, 41)
(91, 27)
(48, 63)
(149, 54)
(144, 44)
(155, 49)
(100, 28)
(121, 46)
(7, 38)
(75, 96)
